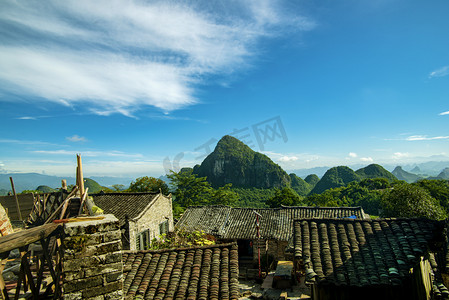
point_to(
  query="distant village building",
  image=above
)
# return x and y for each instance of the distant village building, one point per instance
(372, 259)
(276, 225)
(142, 216)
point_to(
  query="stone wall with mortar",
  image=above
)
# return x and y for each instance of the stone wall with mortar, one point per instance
(92, 260)
(150, 219)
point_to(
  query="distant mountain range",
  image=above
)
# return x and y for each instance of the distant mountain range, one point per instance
(234, 162)
(31, 181)
(340, 176)
(406, 176)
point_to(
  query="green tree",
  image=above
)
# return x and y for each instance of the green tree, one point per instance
(438, 189)
(118, 187)
(406, 200)
(148, 184)
(189, 189)
(29, 192)
(224, 195)
(285, 196)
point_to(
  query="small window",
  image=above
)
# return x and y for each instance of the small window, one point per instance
(163, 227)
(143, 240)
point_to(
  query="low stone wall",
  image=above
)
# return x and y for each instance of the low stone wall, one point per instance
(92, 260)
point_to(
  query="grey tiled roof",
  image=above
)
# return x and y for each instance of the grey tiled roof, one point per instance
(123, 204)
(364, 252)
(239, 223)
(209, 272)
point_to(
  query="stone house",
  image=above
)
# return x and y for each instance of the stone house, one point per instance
(276, 225)
(142, 216)
(372, 259)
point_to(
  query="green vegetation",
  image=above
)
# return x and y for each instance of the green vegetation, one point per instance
(312, 179)
(366, 194)
(94, 187)
(405, 176)
(375, 171)
(182, 238)
(300, 185)
(285, 196)
(444, 174)
(189, 189)
(30, 191)
(253, 197)
(408, 200)
(335, 177)
(342, 176)
(438, 189)
(45, 189)
(379, 197)
(234, 162)
(147, 184)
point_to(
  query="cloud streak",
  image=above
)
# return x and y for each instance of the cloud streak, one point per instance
(76, 138)
(441, 72)
(425, 138)
(89, 153)
(120, 56)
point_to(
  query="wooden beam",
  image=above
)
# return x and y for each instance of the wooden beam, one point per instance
(17, 199)
(80, 176)
(26, 237)
(82, 202)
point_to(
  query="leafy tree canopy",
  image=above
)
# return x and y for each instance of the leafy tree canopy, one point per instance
(285, 196)
(438, 189)
(407, 200)
(189, 189)
(148, 184)
(118, 187)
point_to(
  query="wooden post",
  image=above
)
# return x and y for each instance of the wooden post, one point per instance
(17, 199)
(80, 175)
(64, 184)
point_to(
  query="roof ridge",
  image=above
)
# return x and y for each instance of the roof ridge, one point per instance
(365, 220)
(182, 248)
(127, 193)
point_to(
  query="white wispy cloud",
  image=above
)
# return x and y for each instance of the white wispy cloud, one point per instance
(366, 159)
(76, 138)
(120, 56)
(444, 113)
(441, 72)
(26, 118)
(90, 153)
(399, 155)
(425, 138)
(352, 154)
(288, 158)
(25, 142)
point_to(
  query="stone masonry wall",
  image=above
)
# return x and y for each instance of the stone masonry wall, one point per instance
(92, 260)
(160, 211)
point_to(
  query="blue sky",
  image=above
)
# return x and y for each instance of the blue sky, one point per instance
(138, 87)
